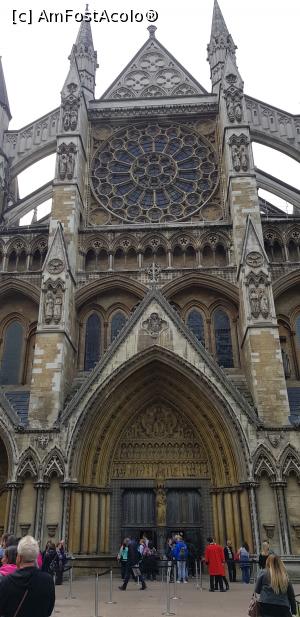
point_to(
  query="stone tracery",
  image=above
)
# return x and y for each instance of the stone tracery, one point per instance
(154, 173)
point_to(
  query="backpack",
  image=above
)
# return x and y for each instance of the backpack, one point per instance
(182, 552)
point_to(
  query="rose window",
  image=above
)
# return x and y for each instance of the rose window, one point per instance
(155, 173)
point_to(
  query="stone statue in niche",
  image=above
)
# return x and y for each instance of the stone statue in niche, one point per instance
(66, 162)
(230, 108)
(254, 300)
(236, 158)
(62, 166)
(66, 119)
(238, 111)
(70, 165)
(57, 310)
(286, 363)
(49, 306)
(244, 158)
(239, 152)
(161, 506)
(264, 304)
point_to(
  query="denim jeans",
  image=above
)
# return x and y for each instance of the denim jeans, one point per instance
(181, 571)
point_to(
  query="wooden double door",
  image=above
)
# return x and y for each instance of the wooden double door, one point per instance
(183, 514)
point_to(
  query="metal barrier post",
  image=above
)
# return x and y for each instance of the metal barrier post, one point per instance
(196, 572)
(70, 594)
(174, 597)
(96, 594)
(110, 601)
(168, 611)
(200, 575)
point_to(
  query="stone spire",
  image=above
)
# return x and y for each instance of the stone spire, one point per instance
(221, 44)
(86, 58)
(3, 92)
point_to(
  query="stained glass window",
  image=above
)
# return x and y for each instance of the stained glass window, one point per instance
(223, 339)
(117, 324)
(92, 342)
(161, 165)
(195, 323)
(10, 372)
(298, 329)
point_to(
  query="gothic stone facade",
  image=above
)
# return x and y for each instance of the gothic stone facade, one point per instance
(150, 325)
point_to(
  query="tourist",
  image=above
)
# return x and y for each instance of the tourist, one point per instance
(50, 559)
(264, 554)
(244, 560)
(133, 561)
(150, 562)
(9, 561)
(60, 563)
(277, 598)
(229, 558)
(27, 587)
(214, 559)
(3, 544)
(180, 554)
(122, 556)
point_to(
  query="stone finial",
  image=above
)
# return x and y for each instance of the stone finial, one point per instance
(152, 29)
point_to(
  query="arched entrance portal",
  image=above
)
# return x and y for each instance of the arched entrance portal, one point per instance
(157, 448)
(161, 468)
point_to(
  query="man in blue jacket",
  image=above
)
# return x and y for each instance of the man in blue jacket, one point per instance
(180, 553)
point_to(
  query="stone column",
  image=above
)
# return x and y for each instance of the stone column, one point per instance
(249, 514)
(40, 487)
(284, 536)
(14, 488)
(215, 515)
(65, 519)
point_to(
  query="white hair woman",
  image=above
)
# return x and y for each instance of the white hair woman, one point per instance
(277, 598)
(28, 591)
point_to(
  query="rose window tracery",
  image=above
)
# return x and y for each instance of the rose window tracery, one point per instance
(154, 173)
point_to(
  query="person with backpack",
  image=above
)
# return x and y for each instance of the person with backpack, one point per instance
(180, 554)
(28, 592)
(133, 561)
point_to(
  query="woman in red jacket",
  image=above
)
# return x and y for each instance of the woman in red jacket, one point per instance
(214, 559)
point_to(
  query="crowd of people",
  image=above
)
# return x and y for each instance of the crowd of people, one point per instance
(139, 559)
(28, 576)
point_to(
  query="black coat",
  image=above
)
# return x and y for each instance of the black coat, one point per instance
(40, 599)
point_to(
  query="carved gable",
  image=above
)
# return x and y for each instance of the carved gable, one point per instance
(153, 72)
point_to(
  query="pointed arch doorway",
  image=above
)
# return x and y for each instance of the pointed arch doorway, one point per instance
(161, 477)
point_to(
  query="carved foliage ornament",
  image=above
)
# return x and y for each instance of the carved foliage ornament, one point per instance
(66, 161)
(154, 325)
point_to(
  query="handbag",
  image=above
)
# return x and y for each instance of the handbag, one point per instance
(20, 605)
(254, 607)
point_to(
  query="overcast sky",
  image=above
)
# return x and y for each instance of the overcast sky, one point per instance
(35, 57)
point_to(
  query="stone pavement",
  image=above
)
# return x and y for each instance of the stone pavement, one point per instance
(192, 602)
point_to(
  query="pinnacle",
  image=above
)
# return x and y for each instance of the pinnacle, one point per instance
(84, 36)
(218, 21)
(3, 92)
